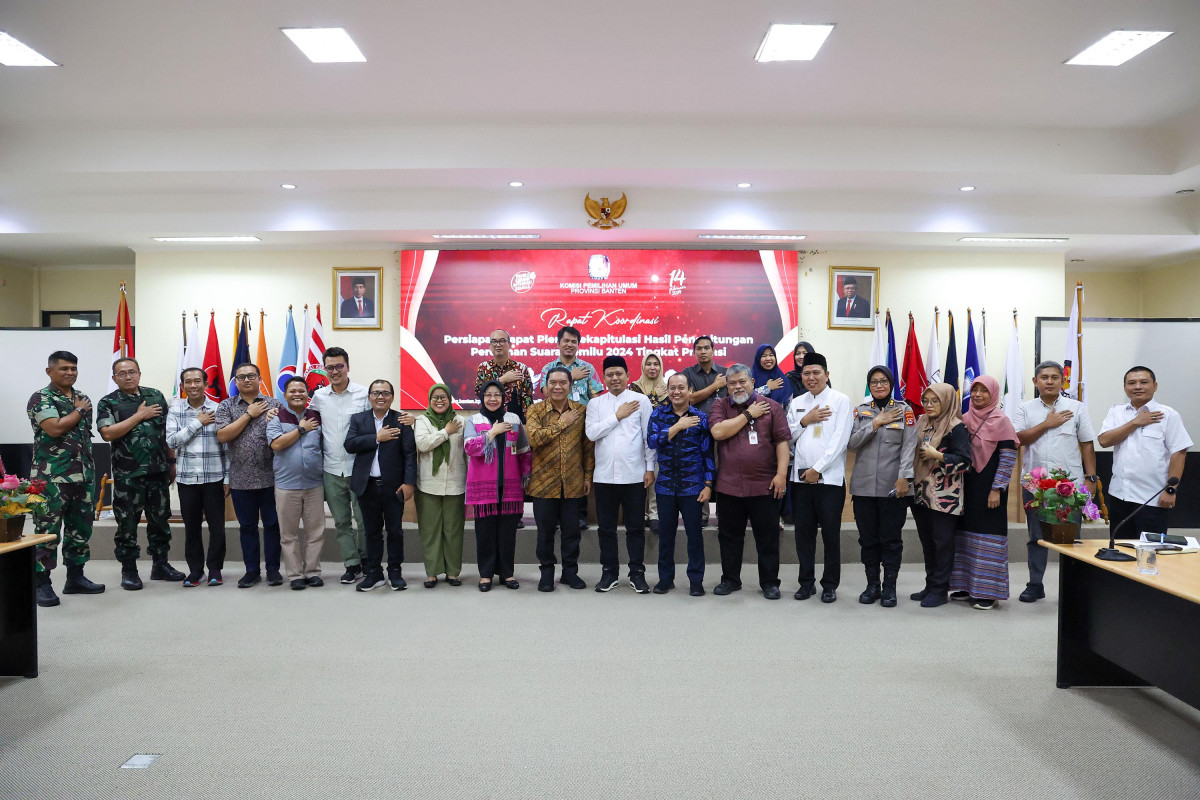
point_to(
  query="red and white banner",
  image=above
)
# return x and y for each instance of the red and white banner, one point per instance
(624, 302)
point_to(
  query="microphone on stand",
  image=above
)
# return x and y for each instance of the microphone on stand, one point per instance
(1111, 553)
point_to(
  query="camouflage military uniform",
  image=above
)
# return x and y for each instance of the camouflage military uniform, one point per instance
(65, 464)
(139, 470)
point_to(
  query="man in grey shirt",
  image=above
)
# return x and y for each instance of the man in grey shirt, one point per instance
(295, 437)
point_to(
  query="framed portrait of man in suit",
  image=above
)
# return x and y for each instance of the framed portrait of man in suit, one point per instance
(853, 297)
(357, 295)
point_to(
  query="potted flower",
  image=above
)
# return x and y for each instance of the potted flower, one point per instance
(17, 498)
(1060, 503)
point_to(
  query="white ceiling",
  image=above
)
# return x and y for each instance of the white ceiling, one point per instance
(184, 118)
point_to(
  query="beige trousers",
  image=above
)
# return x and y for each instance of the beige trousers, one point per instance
(301, 552)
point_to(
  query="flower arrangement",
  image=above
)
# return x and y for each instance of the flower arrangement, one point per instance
(1057, 499)
(18, 496)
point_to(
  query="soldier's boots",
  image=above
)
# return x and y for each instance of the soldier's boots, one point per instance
(130, 580)
(871, 593)
(78, 583)
(888, 592)
(162, 571)
(46, 598)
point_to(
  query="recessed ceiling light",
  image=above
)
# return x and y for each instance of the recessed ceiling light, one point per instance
(487, 236)
(15, 53)
(966, 188)
(287, 186)
(792, 42)
(515, 184)
(1012, 239)
(743, 185)
(775, 236)
(325, 45)
(1186, 191)
(1118, 47)
(1076, 260)
(207, 239)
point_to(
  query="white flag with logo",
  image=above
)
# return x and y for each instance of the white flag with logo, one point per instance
(933, 359)
(1074, 372)
(1014, 375)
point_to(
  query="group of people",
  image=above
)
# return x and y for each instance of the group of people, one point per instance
(762, 444)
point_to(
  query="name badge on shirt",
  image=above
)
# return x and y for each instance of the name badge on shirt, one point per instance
(752, 436)
(816, 429)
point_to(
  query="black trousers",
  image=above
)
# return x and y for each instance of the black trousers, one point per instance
(629, 498)
(549, 514)
(198, 503)
(818, 505)
(936, 529)
(762, 513)
(880, 522)
(382, 509)
(1151, 519)
(496, 545)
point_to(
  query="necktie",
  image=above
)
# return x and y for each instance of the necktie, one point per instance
(847, 306)
(360, 307)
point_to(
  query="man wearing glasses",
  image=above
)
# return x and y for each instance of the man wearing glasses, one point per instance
(134, 418)
(512, 375)
(242, 428)
(337, 403)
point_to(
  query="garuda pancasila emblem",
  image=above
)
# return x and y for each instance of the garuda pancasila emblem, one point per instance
(605, 215)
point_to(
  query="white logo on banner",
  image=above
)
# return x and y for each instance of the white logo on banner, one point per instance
(598, 267)
(677, 279)
(523, 281)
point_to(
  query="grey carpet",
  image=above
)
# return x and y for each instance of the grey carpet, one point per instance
(447, 692)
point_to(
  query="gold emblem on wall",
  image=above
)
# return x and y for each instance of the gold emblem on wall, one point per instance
(605, 215)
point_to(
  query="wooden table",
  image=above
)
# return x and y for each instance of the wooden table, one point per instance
(18, 609)
(1117, 627)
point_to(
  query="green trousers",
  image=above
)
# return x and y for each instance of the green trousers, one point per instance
(132, 496)
(343, 505)
(68, 507)
(440, 521)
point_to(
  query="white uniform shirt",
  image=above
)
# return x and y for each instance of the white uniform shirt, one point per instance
(1140, 462)
(821, 445)
(621, 452)
(336, 410)
(1057, 447)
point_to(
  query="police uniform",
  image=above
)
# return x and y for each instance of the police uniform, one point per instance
(140, 479)
(881, 457)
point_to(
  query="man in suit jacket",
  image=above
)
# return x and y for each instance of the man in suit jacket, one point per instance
(359, 306)
(851, 305)
(384, 476)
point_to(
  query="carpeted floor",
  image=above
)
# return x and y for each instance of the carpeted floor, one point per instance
(448, 693)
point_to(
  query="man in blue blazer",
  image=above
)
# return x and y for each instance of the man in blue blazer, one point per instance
(384, 477)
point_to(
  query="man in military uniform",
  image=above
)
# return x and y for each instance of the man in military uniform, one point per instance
(884, 438)
(133, 418)
(62, 457)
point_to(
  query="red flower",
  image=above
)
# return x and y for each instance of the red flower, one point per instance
(1047, 483)
(1062, 514)
(37, 486)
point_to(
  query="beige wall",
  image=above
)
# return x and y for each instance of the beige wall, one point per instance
(1171, 291)
(1106, 294)
(87, 289)
(18, 296)
(170, 283)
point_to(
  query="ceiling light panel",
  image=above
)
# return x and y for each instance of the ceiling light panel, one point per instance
(745, 236)
(1010, 240)
(1118, 47)
(325, 45)
(792, 42)
(15, 53)
(487, 236)
(207, 239)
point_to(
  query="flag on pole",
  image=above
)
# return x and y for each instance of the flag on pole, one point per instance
(314, 368)
(951, 373)
(193, 355)
(122, 336)
(933, 359)
(971, 369)
(913, 380)
(262, 360)
(213, 374)
(290, 355)
(1074, 374)
(981, 342)
(878, 351)
(241, 351)
(892, 363)
(1014, 373)
(181, 355)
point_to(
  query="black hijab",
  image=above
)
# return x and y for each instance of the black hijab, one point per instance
(497, 416)
(887, 373)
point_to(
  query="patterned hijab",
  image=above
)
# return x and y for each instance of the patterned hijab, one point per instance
(441, 453)
(655, 389)
(987, 425)
(933, 429)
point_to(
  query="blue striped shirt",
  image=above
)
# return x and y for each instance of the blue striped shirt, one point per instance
(685, 463)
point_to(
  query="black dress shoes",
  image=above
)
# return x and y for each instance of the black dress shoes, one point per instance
(298, 584)
(512, 583)
(828, 596)
(662, 587)
(805, 592)
(314, 580)
(918, 596)
(485, 587)
(1033, 592)
(574, 581)
(725, 587)
(771, 592)
(274, 578)
(697, 590)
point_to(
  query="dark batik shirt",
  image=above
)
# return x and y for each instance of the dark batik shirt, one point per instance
(685, 463)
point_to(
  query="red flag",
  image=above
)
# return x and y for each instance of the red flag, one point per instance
(913, 381)
(122, 335)
(314, 369)
(213, 372)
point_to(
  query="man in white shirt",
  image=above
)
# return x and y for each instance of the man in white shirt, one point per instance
(1149, 447)
(1057, 433)
(337, 403)
(820, 421)
(617, 423)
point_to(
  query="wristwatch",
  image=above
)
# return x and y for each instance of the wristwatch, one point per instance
(1091, 478)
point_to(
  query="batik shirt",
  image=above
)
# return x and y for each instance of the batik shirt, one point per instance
(685, 462)
(66, 458)
(518, 395)
(142, 451)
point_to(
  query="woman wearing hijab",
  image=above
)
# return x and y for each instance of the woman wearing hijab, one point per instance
(441, 483)
(498, 464)
(769, 379)
(652, 385)
(981, 549)
(798, 353)
(943, 454)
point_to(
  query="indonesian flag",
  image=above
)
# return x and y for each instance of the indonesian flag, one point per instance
(122, 336)
(213, 372)
(913, 380)
(314, 364)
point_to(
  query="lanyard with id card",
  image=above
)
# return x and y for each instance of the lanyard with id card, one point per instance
(752, 436)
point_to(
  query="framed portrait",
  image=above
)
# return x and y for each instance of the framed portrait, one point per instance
(853, 298)
(357, 295)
